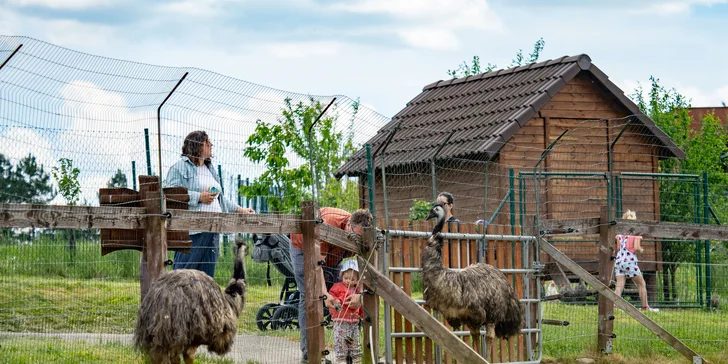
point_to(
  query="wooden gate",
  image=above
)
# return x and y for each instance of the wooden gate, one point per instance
(409, 345)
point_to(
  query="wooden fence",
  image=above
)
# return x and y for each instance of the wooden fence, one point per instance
(406, 252)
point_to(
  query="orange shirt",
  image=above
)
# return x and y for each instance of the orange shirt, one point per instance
(335, 217)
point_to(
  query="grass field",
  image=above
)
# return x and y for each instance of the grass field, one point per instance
(42, 291)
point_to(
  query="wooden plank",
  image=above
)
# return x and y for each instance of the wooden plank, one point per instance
(371, 303)
(70, 217)
(605, 325)
(312, 271)
(220, 222)
(603, 290)
(579, 114)
(417, 315)
(670, 230)
(583, 225)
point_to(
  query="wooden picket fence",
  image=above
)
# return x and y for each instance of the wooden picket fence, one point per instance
(457, 253)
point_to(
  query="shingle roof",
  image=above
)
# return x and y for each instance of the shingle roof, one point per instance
(482, 112)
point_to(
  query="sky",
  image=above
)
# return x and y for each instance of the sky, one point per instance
(385, 51)
(380, 51)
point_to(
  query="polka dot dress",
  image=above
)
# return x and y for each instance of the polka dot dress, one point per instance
(626, 262)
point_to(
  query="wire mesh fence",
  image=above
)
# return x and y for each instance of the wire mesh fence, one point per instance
(72, 124)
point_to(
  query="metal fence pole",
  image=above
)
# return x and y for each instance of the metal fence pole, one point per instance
(706, 220)
(149, 152)
(133, 175)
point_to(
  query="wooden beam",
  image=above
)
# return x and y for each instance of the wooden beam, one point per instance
(671, 230)
(105, 217)
(70, 217)
(340, 238)
(312, 270)
(584, 225)
(220, 222)
(605, 325)
(154, 252)
(619, 301)
(413, 312)
(371, 303)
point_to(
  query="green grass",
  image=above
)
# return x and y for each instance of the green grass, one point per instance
(704, 332)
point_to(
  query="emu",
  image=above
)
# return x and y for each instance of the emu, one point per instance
(476, 296)
(185, 308)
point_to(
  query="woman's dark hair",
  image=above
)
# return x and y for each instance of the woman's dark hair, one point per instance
(193, 146)
(448, 197)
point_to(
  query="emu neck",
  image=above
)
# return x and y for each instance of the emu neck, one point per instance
(432, 260)
(438, 226)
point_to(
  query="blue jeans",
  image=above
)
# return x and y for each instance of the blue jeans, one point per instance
(297, 258)
(203, 254)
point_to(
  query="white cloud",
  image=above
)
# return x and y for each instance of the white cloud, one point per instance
(64, 4)
(676, 7)
(303, 49)
(698, 96)
(191, 7)
(430, 24)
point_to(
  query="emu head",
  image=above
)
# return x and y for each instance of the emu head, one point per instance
(235, 292)
(438, 213)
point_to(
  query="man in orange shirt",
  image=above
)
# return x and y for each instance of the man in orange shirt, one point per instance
(332, 255)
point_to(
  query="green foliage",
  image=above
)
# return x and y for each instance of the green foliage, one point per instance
(419, 210)
(67, 178)
(703, 152)
(273, 143)
(27, 182)
(118, 180)
(465, 69)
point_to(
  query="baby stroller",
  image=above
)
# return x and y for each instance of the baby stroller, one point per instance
(273, 249)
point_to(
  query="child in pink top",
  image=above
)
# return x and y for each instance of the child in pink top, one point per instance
(625, 264)
(346, 318)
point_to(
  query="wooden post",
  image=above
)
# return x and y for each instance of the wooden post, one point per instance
(154, 252)
(313, 287)
(371, 303)
(605, 324)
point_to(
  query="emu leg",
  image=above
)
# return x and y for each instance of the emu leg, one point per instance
(475, 335)
(189, 354)
(159, 357)
(490, 339)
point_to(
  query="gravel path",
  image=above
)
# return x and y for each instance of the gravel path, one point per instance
(263, 349)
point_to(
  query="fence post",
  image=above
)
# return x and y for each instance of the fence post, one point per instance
(706, 220)
(149, 152)
(371, 304)
(606, 265)
(313, 288)
(154, 252)
(133, 175)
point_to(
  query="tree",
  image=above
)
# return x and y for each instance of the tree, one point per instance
(118, 180)
(464, 69)
(419, 210)
(272, 143)
(67, 178)
(26, 182)
(703, 152)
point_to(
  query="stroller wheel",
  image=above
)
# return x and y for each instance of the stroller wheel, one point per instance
(264, 316)
(285, 317)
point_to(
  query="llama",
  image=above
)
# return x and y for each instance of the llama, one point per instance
(185, 309)
(475, 296)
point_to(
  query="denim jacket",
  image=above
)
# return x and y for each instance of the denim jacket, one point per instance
(184, 174)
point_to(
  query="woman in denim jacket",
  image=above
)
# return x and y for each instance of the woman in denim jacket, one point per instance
(195, 172)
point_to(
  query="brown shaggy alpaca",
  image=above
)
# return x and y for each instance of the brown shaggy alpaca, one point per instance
(476, 296)
(185, 308)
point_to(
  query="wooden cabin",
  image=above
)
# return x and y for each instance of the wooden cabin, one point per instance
(482, 138)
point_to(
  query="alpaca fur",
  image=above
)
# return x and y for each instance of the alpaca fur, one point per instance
(476, 296)
(185, 308)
